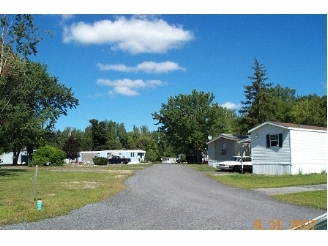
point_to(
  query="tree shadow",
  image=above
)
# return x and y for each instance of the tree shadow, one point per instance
(10, 172)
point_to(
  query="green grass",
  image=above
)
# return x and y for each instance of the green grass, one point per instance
(61, 189)
(252, 181)
(201, 167)
(313, 199)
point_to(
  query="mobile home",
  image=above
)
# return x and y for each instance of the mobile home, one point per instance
(136, 156)
(285, 148)
(225, 146)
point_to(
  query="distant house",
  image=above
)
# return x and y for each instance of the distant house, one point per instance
(285, 148)
(225, 146)
(136, 156)
(7, 158)
(168, 160)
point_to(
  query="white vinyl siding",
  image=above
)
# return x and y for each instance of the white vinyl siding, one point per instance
(302, 150)
(309, 152)
(273, 160)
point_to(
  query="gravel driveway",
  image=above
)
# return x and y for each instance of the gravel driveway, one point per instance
(175, 197)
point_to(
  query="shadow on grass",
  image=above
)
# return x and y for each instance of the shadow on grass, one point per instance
(10, 172)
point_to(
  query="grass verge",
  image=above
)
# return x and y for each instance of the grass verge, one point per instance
(313, 199)
(253, 181)
(61, 189)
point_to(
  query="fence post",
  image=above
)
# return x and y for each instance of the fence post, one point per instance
(34, 183)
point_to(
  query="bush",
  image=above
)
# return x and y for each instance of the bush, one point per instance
(100, 161)
(48, 155)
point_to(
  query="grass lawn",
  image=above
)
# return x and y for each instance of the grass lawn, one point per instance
(252, 181)
(313, 199)
(61, 189)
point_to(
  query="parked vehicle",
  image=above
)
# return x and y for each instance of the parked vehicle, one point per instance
(236, 164)
(117, 159)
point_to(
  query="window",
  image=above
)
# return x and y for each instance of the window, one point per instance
(274, 140)
(132, 154)
(224, 149)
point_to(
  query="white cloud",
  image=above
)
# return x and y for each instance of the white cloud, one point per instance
(134, 35)
(128, 87)
(65, 18)
(230, 105)
(147, 67)
(96, 95)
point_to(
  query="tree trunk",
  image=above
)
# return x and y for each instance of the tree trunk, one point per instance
(15, 157)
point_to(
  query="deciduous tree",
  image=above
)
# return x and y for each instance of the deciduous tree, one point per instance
(34, 108)
(99, 135)
(71, 148)
(188, 120)
(18, 40)
(310, 110)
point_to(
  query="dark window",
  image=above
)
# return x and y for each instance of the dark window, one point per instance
(224, 149)
(274, 140)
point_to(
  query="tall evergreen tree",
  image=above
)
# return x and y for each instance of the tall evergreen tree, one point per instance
(257, 106)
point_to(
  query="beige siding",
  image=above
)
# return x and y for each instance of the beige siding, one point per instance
(215, 149)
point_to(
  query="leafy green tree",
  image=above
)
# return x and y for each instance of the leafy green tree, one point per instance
(188, 120)
(18, 40)
(122, 135)
(283, 99)
(310, 110)
(257, 107)
(86, 139)
(113, 141)
(133, 137)
(34, 108)
(163, 145)
(98, 134)
(48, 156)
(37, 103)
(30, 100)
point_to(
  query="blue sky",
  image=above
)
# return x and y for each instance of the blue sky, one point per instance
(123, 67)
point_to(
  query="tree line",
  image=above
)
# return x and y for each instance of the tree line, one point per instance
(31, 101)
(185, 121)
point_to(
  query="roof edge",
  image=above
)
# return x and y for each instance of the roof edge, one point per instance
(290, 126)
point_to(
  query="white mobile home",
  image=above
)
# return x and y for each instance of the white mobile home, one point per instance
(136, 156)
(7, 158)
(225, 146)
(168, 160)
(285, 148)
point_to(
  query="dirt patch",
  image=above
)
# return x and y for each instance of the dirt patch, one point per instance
(120, 176)
(81, 185)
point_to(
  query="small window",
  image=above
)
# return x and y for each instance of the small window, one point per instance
(224, 149)
(132, 154)
(274, 140)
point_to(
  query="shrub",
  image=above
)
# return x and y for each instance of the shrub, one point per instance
(48, 155)
(100, 161)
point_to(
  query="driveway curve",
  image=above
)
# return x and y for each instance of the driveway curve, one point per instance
(175, 197)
